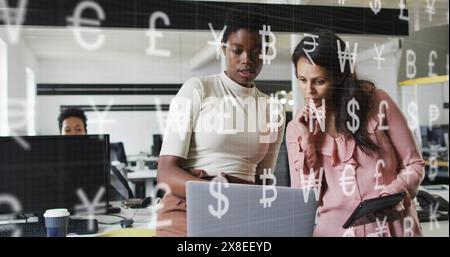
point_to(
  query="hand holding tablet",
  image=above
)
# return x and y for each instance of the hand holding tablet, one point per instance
(369, 210)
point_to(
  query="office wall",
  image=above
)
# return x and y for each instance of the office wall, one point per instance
(135, 129)
(141, 70)
(386, 78)
(424, 96)
(21, 98)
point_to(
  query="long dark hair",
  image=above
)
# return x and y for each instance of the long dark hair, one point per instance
(346, 85)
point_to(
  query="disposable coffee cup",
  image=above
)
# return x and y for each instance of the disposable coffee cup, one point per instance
(57, 222)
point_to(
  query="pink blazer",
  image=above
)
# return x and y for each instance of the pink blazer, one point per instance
(351, 176)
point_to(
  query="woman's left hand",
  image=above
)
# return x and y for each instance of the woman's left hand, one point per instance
(233, 179)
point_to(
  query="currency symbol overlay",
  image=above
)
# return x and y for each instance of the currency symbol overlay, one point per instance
(352, 107)
(266, 32)
(152, 34)
(375, 6)
(13, 18)
(313, 45)
(348, 180)
(267, 201)
(215, 189)
(77, 21)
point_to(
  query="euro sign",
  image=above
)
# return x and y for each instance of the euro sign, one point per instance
(348, 180)
(352, 107)
(77, 22)
(215, 189)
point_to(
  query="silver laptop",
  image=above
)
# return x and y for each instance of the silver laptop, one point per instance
(238, 210)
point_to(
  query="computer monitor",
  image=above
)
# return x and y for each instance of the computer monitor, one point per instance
(437, 136)
(118, 153)
(55, 172)
(424, 133)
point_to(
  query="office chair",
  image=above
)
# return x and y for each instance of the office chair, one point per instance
(282, 172)
(424, 136)
(282, 167)
(157, 144)
(122, 179)
(117, 153)
(438, 136)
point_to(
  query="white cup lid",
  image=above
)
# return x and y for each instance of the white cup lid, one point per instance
(55, 213)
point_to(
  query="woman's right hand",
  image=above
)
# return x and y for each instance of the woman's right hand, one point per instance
(303, 123)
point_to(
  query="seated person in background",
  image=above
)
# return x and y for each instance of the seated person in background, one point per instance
(73, 122)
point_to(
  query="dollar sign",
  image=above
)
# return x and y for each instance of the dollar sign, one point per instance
(265, 44)
(434, 168)
(413, 122)
(352, 106)
(222, 201)
(265, 201)
(375, 6)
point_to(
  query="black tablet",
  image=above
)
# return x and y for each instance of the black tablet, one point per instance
(363, 214)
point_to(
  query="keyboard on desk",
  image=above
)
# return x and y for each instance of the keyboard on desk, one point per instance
(426, 216)
(38, 229)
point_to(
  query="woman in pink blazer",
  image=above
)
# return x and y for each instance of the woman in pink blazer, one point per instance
(352, 143)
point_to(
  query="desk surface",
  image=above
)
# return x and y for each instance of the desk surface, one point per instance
(141, 174)
(145, 220)
(144, 223)
(439, 163)
(439, 229)
(433, 229)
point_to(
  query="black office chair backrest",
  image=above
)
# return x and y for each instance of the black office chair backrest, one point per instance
(282, 167)
(117, 153)
(123, 180)
(157, 144)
